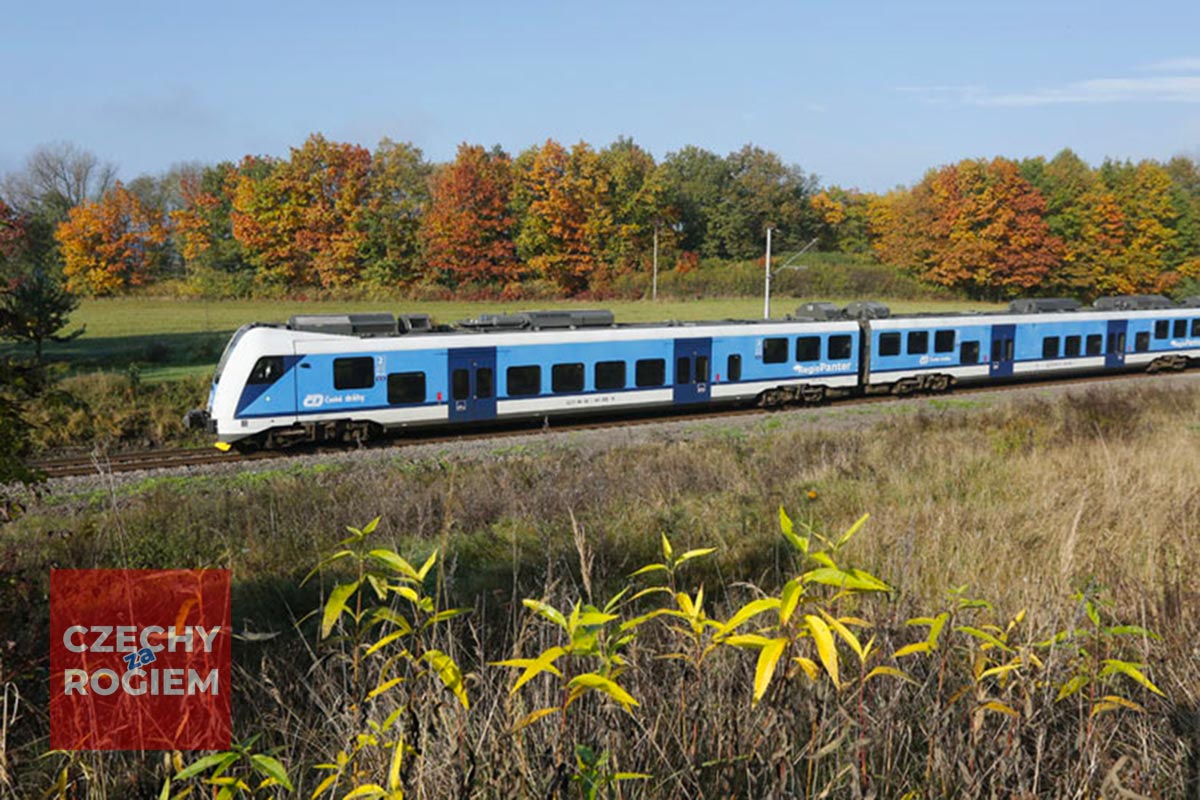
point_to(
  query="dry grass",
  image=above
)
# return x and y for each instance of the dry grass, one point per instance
(1025, 503)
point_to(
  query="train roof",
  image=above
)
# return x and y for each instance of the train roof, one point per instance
(385, 324)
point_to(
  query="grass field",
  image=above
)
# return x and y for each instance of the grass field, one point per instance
(1053, 509)
(169, 339)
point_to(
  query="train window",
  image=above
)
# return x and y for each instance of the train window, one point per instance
(406, 387)
(1050, 347)
(1141, 342)
(969, 353)
(918, 342)
(460, 384)
(1196, 327)
(808, 348)
(1094, 345)
(683, 370)
(610, 375)
(839, 348)
(1180, 328)
(701, 369)
(889, 344)
(483, 383)
(1072, 346)
(524, 381)
(943, 342)
(267, 369)
(733, 368)
(774, 351)
(1161, 328)
(651, 372)
(566, 377)
(1116, 343)
(353, 373)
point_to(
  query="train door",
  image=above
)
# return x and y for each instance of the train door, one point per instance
(1003, 339)
(1114, 350)
(693, 370)
(472, 389)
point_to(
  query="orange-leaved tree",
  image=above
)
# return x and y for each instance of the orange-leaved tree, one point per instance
(566, 220)
(111, 244)
(303, 221)
(975, 225)
(468, 229)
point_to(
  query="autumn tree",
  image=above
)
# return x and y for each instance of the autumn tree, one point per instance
(12, 236)
(468, 229)
(203, 227)
(566, 218)
(398, 198)
(304, 221)
(110, 245)
(636, 204)
(842, 219)
(1128, 234)
(975, 225)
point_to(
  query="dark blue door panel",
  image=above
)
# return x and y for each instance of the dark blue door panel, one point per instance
(1114, 344)
(693, 370)
(1000, 365)
(472, 389)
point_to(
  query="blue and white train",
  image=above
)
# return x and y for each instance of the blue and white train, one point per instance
(352, 377)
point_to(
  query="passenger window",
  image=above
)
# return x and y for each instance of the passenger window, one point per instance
(651, 372)
(1095, 344)
(774, 351)
(566, 377)
(943, 342)
(1196, 327)
(610, 374)
(1116, 343)
(683, 370)
(1072, 345)
(406, 387)
(839, 348)
(1180, 328)
(969, 353)
(997, 349)
(1141, 342)
(733, 368)
(524, 381)
(808, 348)
(267, 369)
(460, 384)
(1050, 347)
(918, 342)
(1160, 329)
(483, 383)
(701, 369)
(353, 373)
(889, 344)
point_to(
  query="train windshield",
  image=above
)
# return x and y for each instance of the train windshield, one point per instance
(229, 351)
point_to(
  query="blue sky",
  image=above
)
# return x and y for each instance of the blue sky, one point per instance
(862, 94)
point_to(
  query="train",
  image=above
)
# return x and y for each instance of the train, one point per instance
(352, 377)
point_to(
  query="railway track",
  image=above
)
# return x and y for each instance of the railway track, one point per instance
(188, 458)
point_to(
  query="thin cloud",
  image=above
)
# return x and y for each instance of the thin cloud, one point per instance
(1173, 65)
(1157, 89)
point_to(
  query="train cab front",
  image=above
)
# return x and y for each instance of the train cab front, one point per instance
(253, 390)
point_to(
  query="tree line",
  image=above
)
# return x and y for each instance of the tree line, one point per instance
(572, 220)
